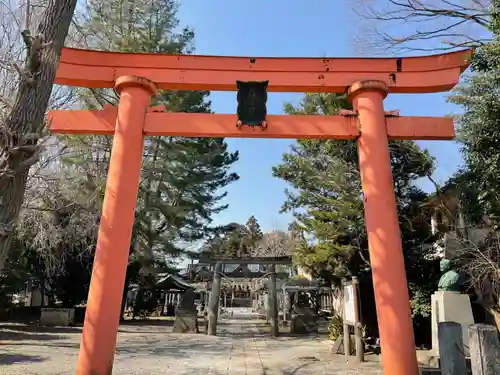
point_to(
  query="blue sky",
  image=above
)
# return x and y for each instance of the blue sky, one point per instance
(284, 28)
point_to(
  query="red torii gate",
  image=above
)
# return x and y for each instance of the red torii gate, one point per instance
(136, 77)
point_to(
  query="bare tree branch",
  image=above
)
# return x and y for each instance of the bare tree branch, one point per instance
(275, 244)
(422, 25)
(480, 260)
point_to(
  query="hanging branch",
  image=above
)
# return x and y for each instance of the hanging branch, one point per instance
(423, 25)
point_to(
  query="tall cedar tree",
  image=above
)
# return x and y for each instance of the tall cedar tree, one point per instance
(326, 201)
(254, 234)
(183, 179)
(235, 240)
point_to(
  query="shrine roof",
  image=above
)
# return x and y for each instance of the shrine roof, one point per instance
(170, 281)
(286, 259)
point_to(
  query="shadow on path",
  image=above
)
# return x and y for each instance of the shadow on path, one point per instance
(33, 332)
(183, 348)
(47, 345)
(147, 322)
(8, 336)
(10, 359)
(145, 326)
(35, 328)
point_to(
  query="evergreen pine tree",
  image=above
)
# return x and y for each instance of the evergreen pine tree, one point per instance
(253, 235)
(326, 200)
(479, 130)
(183, 179)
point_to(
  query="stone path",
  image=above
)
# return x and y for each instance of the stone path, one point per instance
(238, 349)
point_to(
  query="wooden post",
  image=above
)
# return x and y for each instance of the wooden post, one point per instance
(451, 349)
(283, 308)
(165, 305)
(213, 304)
(358, 339)
(347, 334)
(484, 349)
(205, 322)
(347, 340)
(273, 302)
(207, 299)
(358, 326)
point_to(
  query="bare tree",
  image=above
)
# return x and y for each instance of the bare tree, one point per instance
(422, 25)
(481, 263)
(30, 73)
(275, 244)
(60, 212)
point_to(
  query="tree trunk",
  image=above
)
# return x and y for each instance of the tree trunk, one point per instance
(20, 133)
(43, 290)
(495, 312)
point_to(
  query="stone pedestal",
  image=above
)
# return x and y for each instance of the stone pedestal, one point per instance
(304, 321)
(186, 317)
(450, 307)
(57, 317)
(186, 322)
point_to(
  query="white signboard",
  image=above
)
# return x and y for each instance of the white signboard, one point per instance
(349, 305)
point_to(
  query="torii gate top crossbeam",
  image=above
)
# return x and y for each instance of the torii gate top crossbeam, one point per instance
(98, 69)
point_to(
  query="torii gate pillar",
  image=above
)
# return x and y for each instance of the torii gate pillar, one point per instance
(384, 236)
(102, 315)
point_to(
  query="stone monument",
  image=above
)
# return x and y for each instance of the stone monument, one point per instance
(303, 319)
(186, 317)
(449, 305)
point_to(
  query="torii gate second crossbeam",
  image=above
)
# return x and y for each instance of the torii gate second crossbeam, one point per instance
(136, 77)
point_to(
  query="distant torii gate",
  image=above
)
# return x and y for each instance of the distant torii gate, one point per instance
(136, 77)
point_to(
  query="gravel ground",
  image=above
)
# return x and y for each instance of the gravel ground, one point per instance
(143, 349)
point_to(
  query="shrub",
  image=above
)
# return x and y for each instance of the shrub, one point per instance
(335, 326)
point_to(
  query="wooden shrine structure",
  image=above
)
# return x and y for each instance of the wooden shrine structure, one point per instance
(367, 81)
(241, 276)
(244, 279)
(173, 288)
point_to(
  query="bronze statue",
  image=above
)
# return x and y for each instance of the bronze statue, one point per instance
(450, 280)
